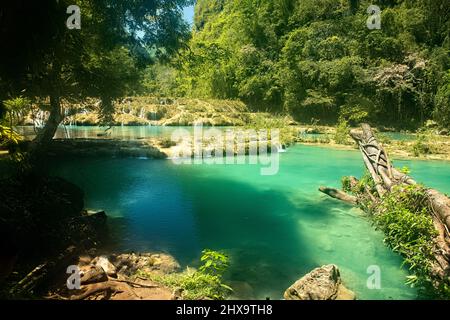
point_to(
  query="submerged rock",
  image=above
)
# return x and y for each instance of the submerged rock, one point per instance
(36, 214)
(322, 283)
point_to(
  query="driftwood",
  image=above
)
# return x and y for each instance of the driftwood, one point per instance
(340, 195)
(386, 176)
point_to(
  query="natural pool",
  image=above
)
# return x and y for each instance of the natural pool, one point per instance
(275, 228)
(117, 132)
(137, 132)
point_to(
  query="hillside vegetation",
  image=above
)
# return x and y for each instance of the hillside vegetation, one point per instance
(317, 59)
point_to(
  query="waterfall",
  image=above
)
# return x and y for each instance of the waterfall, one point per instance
(39, 119)
(66, 132)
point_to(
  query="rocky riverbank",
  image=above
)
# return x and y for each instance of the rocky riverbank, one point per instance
(116, 277)
(119, 277)
(45, 231)
(40, 217)
(151, 148)
(146, 148)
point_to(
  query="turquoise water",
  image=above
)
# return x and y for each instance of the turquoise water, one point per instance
(275, 228)
(399, 136)
(118, 132)
(137, 132)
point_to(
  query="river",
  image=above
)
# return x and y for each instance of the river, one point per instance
(275, 228)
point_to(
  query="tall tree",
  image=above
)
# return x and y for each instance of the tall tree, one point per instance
(42, 57)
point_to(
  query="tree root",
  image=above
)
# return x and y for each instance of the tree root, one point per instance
(109, 288)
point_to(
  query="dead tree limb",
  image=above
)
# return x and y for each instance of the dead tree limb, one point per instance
(340, 195)
(385, 177)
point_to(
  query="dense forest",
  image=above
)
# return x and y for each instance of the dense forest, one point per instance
(318, 60)
(315, 60)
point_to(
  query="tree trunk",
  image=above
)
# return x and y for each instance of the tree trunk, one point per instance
(354, 4)
(386, 177)
(45, 136)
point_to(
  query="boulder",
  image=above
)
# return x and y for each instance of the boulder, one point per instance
(92, 274)
(106, 265)
(322, 283)
(36, 213)
(128, 264)
(312, 131)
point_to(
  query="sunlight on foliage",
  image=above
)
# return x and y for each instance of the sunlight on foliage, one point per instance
(204, 283)
(422, 146)
(408, 227)
(342, 133)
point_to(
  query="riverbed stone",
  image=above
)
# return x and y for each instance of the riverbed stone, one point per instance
(157, 263)
(322, 283)
(104, 263)
(92, 274)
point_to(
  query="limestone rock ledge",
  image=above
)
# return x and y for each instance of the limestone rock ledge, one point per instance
(322, 283)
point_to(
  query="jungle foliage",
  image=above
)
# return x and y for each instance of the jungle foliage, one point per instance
(408, 227)
(318, 59)
(404, 217)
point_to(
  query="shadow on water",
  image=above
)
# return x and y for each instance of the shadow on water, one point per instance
(256, 228)
(274, 229)
(147, 210)
(154, 206)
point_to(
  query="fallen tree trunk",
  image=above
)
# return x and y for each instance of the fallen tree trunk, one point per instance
(338, 194)
(385, 177)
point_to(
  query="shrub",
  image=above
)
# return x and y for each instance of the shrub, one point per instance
(264, 121)
(167, 143)
(346, 186)
(422, 146)
(342, 133)
(204, 283)
(404, 218)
